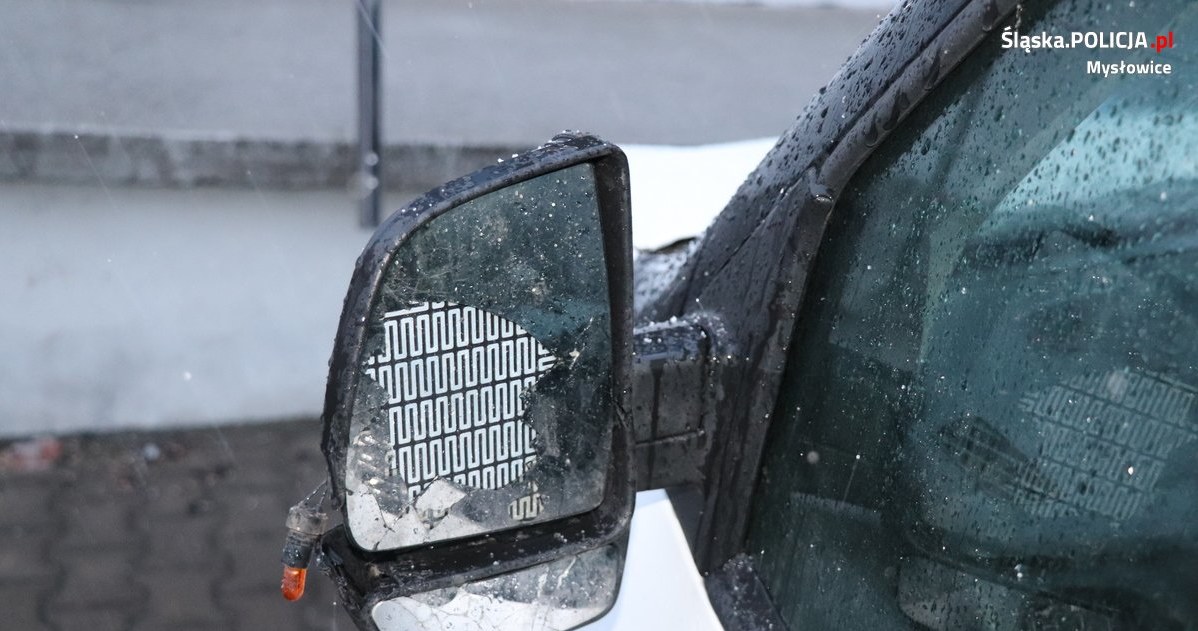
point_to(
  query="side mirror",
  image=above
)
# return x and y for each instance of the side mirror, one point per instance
(475, 421)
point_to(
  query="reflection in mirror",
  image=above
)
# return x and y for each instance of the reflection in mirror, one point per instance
(483, 398)
(559, 595)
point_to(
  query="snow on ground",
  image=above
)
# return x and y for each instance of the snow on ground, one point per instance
(678, 191)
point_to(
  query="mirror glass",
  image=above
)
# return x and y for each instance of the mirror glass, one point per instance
(483, 396)
(559, 595)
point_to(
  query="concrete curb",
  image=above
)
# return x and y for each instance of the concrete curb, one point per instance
(120, 158)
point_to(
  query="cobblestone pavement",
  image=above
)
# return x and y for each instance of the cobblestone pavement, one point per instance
(175, 530)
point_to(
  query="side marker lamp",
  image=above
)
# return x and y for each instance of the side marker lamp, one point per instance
(305, 525)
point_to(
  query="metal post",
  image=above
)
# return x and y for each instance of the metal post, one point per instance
(370, 155)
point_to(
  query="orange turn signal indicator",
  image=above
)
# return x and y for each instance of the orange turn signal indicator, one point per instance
(305, 525)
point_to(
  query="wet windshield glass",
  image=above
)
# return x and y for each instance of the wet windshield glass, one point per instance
(989, 415)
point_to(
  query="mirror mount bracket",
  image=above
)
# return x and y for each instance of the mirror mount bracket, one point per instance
(675, 372)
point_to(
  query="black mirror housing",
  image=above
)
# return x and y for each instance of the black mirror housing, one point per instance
(475, 420)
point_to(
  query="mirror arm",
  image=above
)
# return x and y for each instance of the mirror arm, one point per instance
(673, 393)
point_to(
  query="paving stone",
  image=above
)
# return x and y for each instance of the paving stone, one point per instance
(254, 512)
(176, 496)
(180, 536)
(179, 599)
(94, 579)
(254, 565)
(108, 619)
(94, 525)
(19, 563)
(266, 609)
(287, 457)
(189, 543)
(196, 480)
(22, 606)
(163, 450)
(23, 556)
(149, 625)
(274, 471)
(119, 481)
(27, 499)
